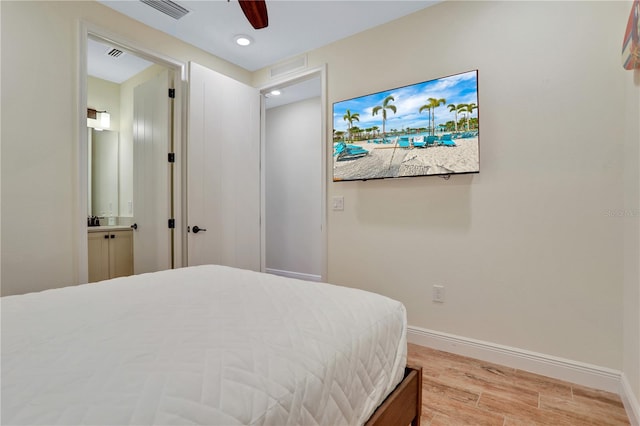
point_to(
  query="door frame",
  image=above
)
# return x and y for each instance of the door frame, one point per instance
(320, 71)
(89, 30)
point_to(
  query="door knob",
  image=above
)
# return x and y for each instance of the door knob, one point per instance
(197, 229)
(134, 226)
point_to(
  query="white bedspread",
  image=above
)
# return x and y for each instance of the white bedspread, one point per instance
(206, 345)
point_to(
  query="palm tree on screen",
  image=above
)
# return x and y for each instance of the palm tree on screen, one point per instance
(431, 105)
(350, 118)
(386, 105)
(454, 108)
(435, 103)
(469, 109)
(355, 133)
(426, 107)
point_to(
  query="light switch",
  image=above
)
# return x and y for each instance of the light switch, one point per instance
(338, 203)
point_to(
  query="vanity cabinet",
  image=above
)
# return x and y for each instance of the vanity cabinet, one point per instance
(110, 254)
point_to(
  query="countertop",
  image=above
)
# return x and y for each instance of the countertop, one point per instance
(104, 228)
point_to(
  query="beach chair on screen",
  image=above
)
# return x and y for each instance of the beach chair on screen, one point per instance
(431, 140)
(447, 140)
(344, 152)
(419, 142)
(403, 142)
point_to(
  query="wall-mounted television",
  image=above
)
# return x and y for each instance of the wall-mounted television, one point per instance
(424, 129)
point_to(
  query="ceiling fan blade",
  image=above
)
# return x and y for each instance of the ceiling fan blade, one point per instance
(256, 12)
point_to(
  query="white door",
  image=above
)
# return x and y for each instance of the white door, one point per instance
(152, 186)
(223, 171)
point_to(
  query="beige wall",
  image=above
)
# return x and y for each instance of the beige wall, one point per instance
(103, 95)
(526, 250)
(40, 195)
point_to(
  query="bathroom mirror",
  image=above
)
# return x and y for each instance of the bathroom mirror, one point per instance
(103, 173)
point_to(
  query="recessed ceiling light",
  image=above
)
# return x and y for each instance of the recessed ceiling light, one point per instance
(276, 92)
(243, 40)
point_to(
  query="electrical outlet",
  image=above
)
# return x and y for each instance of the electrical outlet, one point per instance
(438, 293)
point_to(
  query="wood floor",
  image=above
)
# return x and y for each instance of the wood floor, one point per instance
(465, 391)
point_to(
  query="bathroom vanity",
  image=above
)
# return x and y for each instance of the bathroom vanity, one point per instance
(110, 252)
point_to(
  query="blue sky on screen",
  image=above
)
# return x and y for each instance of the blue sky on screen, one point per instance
(456, 89)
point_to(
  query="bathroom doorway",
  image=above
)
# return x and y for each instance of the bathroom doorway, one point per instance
(142, 95)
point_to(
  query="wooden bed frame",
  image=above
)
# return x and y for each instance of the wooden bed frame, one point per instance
(403, 406)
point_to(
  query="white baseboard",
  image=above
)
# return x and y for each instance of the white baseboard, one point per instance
(630, 401)
(291, 274)
(560, 368)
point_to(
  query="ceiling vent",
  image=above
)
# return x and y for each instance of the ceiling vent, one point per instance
(167, 7)
(114, 53)
(289, 67)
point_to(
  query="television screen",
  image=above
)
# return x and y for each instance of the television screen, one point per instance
(427, 128)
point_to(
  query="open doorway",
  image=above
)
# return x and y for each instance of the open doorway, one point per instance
(131, 87)
(294, 188)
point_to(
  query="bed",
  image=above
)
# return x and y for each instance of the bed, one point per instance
(208, 345)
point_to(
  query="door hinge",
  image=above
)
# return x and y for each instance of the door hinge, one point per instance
(172, 93)
(172, 223)
(172, 157)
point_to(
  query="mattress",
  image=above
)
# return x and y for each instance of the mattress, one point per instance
(208, 345)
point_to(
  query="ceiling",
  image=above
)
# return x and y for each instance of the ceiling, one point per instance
(116, 69)
(295, 27)
(120, 68)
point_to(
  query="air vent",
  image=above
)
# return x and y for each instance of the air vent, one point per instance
(167, 7)
(289, 67)
(114, 53)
